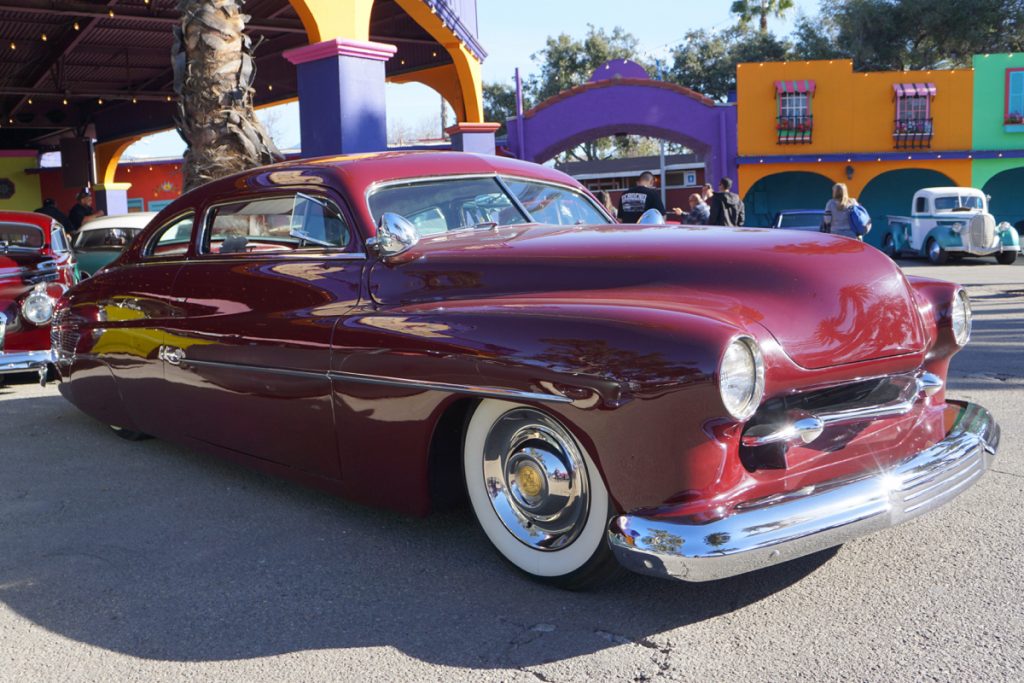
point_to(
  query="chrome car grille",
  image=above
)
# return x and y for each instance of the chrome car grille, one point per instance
(801, 418)
(3, 330)
(63, 337)
(982, 231)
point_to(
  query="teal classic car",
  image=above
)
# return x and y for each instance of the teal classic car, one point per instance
(102, 240)
(950, 221)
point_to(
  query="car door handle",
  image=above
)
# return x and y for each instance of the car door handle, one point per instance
(171, 354)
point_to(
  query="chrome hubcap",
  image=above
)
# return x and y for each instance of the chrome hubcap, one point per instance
(934, 250)
(536, 479)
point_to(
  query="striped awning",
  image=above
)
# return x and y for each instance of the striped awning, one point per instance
(914, 89)
(782, 87)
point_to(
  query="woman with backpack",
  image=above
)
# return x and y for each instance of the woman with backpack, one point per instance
(844, 216)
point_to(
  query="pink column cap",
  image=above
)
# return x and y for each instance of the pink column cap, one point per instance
(339, 47)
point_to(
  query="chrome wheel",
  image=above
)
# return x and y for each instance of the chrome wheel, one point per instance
(537, 495)
(536, 480)
(936, 254)
(889, 247)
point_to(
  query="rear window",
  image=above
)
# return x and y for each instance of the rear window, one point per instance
(105, 238)
(21, 235)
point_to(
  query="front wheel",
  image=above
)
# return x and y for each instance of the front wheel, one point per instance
(537, 495)
(936, 254)
(1006, 257)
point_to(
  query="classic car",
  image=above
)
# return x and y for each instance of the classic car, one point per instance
(408, 328)
(101, 240)
(799, 219)
(36, 267)
(950, 221)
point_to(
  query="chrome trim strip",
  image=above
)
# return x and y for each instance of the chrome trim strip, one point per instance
(800, 425)
(3, 330)
(26, 361)
(359, 378)
(779, 528)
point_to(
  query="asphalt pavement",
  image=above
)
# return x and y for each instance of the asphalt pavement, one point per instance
(148, 561)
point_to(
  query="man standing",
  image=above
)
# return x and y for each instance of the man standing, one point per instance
(81, 211)
(640, 198)
(726, 206)
(49, 208)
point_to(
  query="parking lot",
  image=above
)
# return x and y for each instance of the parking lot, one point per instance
(147, 561)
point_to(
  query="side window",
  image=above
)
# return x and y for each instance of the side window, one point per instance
(554, 205)
(172, 239)
(922, 205)
(276, 224)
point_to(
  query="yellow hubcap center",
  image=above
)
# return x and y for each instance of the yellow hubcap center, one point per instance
(529, 480)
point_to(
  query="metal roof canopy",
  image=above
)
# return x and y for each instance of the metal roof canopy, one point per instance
(67, 64)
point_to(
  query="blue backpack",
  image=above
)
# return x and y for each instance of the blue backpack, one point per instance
(860, 220)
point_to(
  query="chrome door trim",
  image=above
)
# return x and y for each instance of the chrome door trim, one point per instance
(382, 380)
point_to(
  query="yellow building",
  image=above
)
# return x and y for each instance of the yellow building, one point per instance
(803, 126)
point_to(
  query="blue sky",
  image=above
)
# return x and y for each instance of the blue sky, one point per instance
(511, 32)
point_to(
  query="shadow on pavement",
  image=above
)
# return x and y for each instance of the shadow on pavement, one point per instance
(154, 551)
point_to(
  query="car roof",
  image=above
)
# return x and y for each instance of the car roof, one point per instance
(39, 220)
(125, 220)
(932, 191)
(794, 212)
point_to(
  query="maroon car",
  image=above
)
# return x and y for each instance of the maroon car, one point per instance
(405, 328)
(36, 267)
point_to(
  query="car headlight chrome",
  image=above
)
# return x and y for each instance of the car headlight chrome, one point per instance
(961, 317)
(741, 377)
(37, 307)
(958, 227)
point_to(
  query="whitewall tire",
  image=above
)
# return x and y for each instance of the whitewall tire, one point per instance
(537, 495)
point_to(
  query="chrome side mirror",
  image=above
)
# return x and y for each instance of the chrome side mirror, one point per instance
(395, 234)
(651, 217)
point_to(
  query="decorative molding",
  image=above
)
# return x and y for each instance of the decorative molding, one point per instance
(108, 187)
(466, 127)
(340, 47)
(908, 155)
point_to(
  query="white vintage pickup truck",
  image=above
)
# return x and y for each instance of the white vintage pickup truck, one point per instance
(950, 221)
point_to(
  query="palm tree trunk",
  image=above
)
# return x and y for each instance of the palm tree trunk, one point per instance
(213, 75)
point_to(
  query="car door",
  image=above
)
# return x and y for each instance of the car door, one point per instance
(248, 362)
(134, 318)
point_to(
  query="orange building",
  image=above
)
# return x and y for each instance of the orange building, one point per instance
(803, 126)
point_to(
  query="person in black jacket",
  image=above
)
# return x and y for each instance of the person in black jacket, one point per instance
(639, 198)
(49, 208)
(726, 206)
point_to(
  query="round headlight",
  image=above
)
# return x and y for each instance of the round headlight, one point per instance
(961, 317)
(741, 377)
(37, 308)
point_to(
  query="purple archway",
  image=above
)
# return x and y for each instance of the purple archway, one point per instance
(628, 104)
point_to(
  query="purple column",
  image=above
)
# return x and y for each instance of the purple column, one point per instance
(341, 96)
(112, 198)
(473, 137)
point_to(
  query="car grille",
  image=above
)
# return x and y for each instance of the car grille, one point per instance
(63, 336)
(982, 230)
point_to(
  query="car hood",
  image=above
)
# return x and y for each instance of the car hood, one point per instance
(25, 266)
(827, 300)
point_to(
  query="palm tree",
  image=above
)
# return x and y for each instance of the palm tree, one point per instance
(748, 9)
(213, 75)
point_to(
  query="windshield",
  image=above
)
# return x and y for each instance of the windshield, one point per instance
(801, 221)
(106, 238)
(436, 206)
(958, 201)
(21, 235)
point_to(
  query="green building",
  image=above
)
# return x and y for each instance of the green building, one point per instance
(998, 133)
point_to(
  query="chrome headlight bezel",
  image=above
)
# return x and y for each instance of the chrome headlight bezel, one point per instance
(960, 317)
(744, 350)
(37, 307)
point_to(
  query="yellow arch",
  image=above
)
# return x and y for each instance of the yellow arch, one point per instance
(108, 154)
(443, 79)
(467, 68)
(327, 19)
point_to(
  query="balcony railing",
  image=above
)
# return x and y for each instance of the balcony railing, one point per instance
(794, 129)
(912, 133)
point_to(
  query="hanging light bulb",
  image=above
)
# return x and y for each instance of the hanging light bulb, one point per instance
(44, 38)
(76, 26)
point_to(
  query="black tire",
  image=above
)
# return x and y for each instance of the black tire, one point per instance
(936, 254)
(552, 529)
(128, 434)
(889, 246)
(1006, 258)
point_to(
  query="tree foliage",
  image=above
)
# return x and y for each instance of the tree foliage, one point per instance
(706, 60)
(746, 10)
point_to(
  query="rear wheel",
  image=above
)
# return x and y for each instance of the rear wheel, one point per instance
(889, 246)
(936, 254)
(537, 495)
(1006, 257)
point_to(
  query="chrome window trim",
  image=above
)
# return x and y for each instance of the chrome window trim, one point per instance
(146, 255)
(382, 380)
(204, 227)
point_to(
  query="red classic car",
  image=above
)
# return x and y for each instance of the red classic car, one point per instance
(401, 329)
(36, 267)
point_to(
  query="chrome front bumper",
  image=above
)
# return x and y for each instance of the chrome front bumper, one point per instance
(27, 361)
(780, 528)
